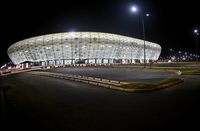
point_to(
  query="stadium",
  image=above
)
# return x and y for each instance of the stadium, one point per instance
(82, 48)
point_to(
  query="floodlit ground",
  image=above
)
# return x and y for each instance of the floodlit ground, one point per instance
(43, 103)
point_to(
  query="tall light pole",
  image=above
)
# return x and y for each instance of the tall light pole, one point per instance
(134, 9)
(196, 33)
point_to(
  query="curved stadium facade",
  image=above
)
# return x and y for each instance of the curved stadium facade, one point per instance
(82, 47)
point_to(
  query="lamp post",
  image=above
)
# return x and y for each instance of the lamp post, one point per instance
(196, 33)
(143, 31)
(134, 9)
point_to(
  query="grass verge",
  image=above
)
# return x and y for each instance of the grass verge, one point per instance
(148, 87)
(190, 72)
(183, 71)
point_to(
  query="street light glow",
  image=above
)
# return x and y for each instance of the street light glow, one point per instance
(196, 31)
(134, 9)
(147, 14)
(72, 35)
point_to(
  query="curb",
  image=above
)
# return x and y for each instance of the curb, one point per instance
(112, 84)
(157, 88)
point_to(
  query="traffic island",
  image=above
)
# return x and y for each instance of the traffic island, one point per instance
(113, 84)
(190, 72)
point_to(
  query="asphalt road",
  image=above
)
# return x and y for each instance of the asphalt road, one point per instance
(43, 103)
(121, 74)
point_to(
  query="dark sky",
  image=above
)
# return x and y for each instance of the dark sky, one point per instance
(170, 23)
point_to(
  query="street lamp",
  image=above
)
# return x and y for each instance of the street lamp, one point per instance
(134, 9)
(196, 33)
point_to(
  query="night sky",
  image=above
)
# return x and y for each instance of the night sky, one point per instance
(170, 23)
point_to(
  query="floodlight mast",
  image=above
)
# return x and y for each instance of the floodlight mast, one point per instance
(196, 33)
(134, 9)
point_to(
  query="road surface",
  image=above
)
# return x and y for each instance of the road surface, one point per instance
(44, 103)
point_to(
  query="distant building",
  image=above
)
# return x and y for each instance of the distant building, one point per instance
(82, 47)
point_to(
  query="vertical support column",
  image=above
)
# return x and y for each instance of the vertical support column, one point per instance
(111, 61)
(47, 63)
(102, 60)
(95, 60)
(63, 62)
(71, 61)
(133, 61)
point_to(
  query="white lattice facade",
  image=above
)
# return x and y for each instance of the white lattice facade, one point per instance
(84, 47)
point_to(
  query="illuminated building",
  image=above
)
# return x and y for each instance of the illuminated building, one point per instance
(84, 48)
